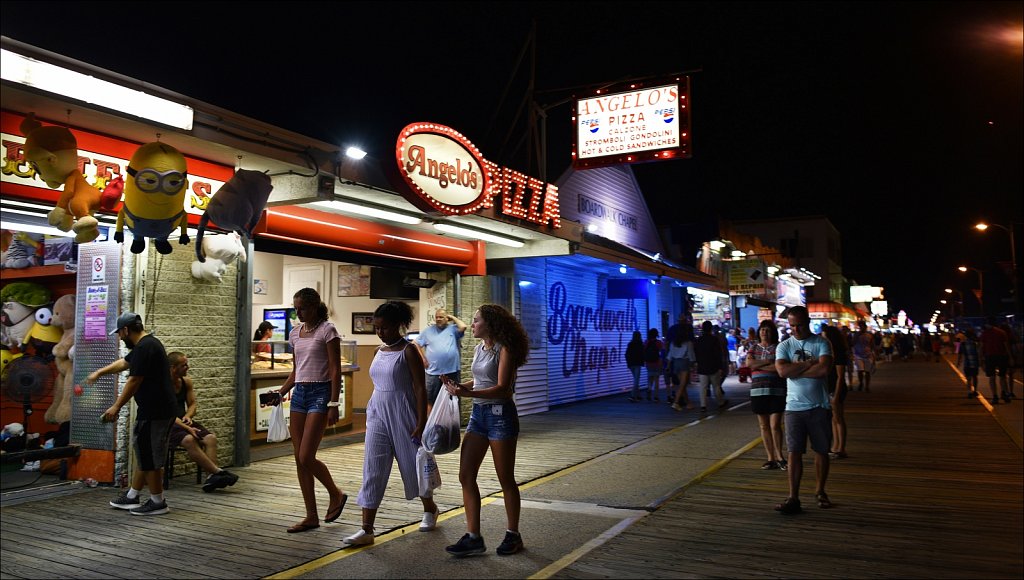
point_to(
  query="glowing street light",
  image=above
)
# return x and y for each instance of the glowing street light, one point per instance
(981, 286)
(982, 226)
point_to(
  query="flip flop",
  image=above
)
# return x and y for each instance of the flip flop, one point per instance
(823, 501)
(336, 512)
(788, 507)
(302, 527)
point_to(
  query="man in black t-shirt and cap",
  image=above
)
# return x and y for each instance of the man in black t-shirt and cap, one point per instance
(149, 383)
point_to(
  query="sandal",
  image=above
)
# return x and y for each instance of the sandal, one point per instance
(823, 501)
(336, 512)
(790, 506)
(769, 465)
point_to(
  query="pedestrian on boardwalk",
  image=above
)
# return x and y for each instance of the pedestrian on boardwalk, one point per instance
(887, 346)
(681, 357)
(654, 350)
(493, 424)
(968, 355)
(1016, 361)
(768, 394)
(995, 349)
(863, 357)
(837, 389)
(395, 417)
(316, 380)
(804, 360)
(709, 348)
(635, 362)
(186, 432)
(442, 351)
(149, 383)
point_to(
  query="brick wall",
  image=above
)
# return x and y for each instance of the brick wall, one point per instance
(476, 290)
(198, 318)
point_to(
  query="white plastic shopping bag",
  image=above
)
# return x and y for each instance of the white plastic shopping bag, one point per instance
(277, 428)
(429, 474)
(442, 431)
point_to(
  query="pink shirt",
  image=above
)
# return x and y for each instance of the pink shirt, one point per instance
(311, 353)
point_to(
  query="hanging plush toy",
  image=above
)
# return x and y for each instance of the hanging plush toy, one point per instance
(52, 152)
(64, 319)
(42, 336)
(220, 252)
(236, 206)
(154, 197)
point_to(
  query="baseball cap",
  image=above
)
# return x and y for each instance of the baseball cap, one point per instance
(266, 324)
(124, 320)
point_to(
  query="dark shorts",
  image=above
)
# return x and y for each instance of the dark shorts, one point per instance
(768, 404)
(311, 397)
(178, 434)
(815, 424)
(995, 365)
(679, 365)
(434, 385)
(150, 439)
(495, 421)
(970, 371)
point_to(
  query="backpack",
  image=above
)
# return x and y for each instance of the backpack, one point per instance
(651, 351)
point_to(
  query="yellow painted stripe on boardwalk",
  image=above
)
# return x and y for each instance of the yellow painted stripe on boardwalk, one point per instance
(1014, 436)
(346, 552)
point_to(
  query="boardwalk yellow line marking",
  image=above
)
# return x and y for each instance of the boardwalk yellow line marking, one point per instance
(567, 560)
(346, 552)
(1014, 436)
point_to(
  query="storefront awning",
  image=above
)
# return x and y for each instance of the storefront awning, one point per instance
(605, 249)
(333, 232)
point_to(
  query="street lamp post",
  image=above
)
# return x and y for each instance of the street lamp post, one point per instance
(1013, 260)
(960, 301)
(981, 287)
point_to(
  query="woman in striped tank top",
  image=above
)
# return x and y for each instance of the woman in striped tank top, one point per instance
(316, 380)
(768, 393)
(493, 424)
(395, 417)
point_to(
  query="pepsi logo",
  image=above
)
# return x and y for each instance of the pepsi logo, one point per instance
(593, 124)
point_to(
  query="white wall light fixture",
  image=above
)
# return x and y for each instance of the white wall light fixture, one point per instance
(369, 211)
(355, 153)
(51, 78)
(478, 235)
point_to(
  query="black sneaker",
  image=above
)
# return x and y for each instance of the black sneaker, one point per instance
(150, 508)
(510, 545)
(122, 502)
(466, 546)
(219, 480)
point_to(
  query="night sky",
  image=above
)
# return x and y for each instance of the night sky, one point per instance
(901, 122)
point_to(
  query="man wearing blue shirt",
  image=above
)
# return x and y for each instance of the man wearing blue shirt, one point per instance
(803, 360)
(442, 356)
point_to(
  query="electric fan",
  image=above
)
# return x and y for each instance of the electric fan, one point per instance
(27, 380)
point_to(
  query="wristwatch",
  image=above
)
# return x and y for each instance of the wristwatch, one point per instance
(334, 404)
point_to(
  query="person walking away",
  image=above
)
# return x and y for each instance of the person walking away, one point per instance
(969, 358)
(493, 424)
(653, 350)
(395, 417)
(837, 389)
(442, 352)
(995, 350)
(768, 394)
(316, 380)
(1016, 359)
(803, 360)
(635, 362)
(680, 358)
(708, 348)
(863, 358)
(186, 432)
(887, 346)
(149, 384)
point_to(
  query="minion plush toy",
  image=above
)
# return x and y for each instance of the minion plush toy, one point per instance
(154, 197)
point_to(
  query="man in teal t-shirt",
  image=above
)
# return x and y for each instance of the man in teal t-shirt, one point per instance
(803, 360)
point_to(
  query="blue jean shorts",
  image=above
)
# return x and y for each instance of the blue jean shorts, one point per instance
(311, 397)
(495, 421)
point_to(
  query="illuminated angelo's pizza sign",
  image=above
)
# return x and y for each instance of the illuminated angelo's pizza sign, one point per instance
(448, 175)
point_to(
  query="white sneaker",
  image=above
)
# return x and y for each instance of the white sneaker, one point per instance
(360, 538)
(429, 521)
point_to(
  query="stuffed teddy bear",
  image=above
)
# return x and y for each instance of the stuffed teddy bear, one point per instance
(154, 197)
(20, 302)
(236, 206)
(23, 250)
(63, 318)
(52, 152)
(220, 252)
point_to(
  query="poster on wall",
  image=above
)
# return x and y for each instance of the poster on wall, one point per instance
(353, 281)
(95, 312)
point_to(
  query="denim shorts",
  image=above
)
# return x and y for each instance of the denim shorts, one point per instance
(311, 397)
(495, 421)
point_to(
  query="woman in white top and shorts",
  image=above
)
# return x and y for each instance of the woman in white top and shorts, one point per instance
(493, 424)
